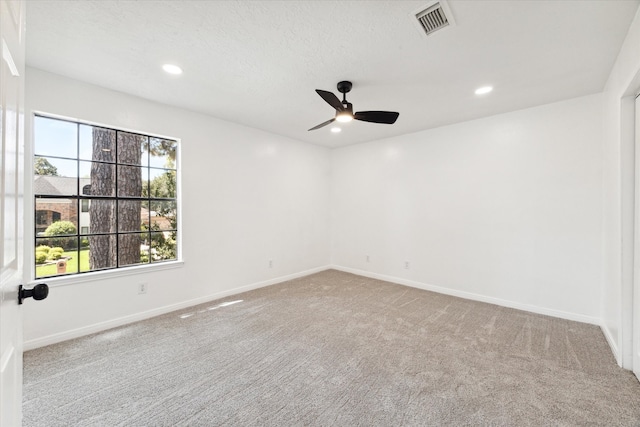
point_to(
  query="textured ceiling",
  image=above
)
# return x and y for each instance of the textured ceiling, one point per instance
(258, 62)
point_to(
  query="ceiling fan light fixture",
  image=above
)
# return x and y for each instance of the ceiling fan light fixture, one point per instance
(344, 117)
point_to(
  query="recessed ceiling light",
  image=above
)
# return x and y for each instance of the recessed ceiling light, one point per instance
(172, 69)
(336, 130)
(484, 89)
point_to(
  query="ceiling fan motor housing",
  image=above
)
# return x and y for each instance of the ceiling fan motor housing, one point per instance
(344, 86)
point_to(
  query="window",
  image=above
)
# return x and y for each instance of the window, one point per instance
(41, 217)
(42, 221)
(104, 198)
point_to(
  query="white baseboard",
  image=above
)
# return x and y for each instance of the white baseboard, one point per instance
(476, 297)
(109, 324)
(612, 344)
(102, 326)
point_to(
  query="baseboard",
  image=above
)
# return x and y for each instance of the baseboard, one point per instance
(113, 323)
(612, 344)
(476, 297)
(109, 324)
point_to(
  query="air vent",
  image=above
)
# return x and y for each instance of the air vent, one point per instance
(433, 18)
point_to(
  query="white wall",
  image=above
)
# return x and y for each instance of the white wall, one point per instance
(247, 196)
(523, 209)
(506, 209)
(618, 159)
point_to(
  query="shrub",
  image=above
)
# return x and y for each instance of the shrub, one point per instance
(84, 243)
(43, 248)
(55, 253)
(61, 228)
(41, 257)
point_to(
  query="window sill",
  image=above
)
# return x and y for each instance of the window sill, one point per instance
(75, 279)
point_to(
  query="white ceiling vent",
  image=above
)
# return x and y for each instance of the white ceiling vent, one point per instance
(434, 17)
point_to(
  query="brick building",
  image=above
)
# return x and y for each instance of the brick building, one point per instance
(50, 210)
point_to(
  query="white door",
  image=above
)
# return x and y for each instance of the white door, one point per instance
(636, 278)
(11, 212)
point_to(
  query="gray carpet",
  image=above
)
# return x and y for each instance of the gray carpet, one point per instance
(334, 349)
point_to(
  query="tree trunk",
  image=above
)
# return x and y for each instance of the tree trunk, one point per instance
(104, 250)
(129, 184)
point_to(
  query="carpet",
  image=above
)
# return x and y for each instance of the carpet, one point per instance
(334, 349)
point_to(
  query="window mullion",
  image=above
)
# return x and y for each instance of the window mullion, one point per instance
(78, 207)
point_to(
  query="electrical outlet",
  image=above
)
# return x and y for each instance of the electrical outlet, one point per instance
(406, 265)
(270, 263)
(142, 288)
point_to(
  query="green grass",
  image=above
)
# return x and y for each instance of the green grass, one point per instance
(72, 264)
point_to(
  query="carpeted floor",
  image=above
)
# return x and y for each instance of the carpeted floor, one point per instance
(334, 349)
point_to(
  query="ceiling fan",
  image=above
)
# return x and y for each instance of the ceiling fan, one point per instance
(344, 109)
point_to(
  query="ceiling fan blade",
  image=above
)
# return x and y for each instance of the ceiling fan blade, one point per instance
(386, 117)
(322, 124)
(331, 99)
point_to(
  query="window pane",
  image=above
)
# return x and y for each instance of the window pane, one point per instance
(55, 176)
(50, 211)
(97, 144)
(130, 181)
(56, 256)
(162, 153)
(133, 248)
(101, 217)
(54, 137)
(50, 166)
(163, 246)
(131, 148)
(98, 252)
(144, 160)
(131, 215)
(163, 215)
(97, 179)
(145, 246)
(163, 183)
